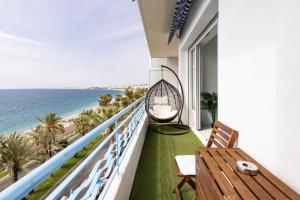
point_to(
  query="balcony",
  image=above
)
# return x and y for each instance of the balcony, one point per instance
(132, 162)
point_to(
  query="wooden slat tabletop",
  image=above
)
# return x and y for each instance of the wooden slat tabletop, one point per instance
(217, 178)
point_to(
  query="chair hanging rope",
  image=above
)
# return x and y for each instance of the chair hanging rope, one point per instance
(164, 103)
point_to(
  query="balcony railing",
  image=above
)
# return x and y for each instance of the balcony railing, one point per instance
(92, 177)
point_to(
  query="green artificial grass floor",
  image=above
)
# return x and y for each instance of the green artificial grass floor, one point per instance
(155, 177)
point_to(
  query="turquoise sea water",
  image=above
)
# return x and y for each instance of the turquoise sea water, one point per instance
(20, 108)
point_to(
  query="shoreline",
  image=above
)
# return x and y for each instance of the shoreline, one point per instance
(68, 103)
(65, 121)
(113, 89)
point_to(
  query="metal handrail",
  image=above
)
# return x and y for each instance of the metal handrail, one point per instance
(27, 183)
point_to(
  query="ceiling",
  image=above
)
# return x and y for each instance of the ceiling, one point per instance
(156, 17)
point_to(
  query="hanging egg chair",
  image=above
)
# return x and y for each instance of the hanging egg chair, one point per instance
(164, 103)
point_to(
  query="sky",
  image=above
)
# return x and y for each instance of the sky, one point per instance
(71, 44)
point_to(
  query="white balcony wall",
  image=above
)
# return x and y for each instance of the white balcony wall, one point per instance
(121, 184)
(259, 85)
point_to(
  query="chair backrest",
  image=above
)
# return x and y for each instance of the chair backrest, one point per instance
(222, 136)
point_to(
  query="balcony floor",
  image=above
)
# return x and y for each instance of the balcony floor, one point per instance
(155, 176)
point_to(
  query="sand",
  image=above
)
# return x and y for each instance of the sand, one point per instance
(67, 122)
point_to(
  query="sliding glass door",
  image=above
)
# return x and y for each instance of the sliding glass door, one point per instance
(202, 76)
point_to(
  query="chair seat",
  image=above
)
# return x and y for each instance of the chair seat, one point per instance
(186, 164)
(222, 136)
(163, 111)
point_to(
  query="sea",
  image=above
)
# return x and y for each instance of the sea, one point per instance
(20, 108)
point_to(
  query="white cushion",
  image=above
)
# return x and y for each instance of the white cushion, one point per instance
(163, 111)
(186, 164)
(161, 100)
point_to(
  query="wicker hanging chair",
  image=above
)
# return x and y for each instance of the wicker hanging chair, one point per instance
(164, 103)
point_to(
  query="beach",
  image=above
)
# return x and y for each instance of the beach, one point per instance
(67, 122)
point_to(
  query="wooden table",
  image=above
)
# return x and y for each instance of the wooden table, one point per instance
(217, 178)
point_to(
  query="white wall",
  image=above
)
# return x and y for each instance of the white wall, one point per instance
(156, 75)
(121, 185)
(258, 77)
(259, 84)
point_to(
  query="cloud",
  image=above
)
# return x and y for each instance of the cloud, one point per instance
(15, 45)
(71, 44)
(114, 34)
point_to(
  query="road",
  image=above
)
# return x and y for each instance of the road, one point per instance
(7, 181)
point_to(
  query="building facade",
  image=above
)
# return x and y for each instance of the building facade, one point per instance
(247, 53)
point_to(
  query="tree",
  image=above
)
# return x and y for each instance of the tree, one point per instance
(107, 113)
(138, 93)
(104, 100)
(86, 121)
(129, 94)
(51, 122)
(15, 151)
(124, 101)
(43, 139)
(82, 125)
(117, 102)
(94, 118)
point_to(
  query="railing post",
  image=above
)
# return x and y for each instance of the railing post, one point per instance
(118, 150)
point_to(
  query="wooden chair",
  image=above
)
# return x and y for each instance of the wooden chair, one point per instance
(221, 136)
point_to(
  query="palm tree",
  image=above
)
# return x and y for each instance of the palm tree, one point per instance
(129, 94)
(51, 122)
(138, 93)
(1, 139)
(128, 97)
(117, 101)
(15, 150)
(104, 100)
(107, 113)
(124, 102)
(95, 119)
(86, 121)
(42, 138)
(82, 125)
